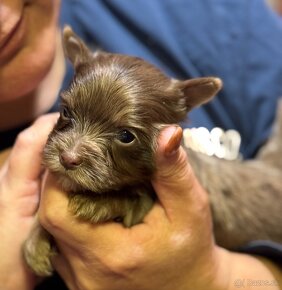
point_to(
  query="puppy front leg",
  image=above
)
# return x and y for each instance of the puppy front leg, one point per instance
(94, 208)
(38, 251)
(137, 206)
(126, 207)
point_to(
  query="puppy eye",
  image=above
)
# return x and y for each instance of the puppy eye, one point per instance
(65, 113)
(125, 136)
(65, 120)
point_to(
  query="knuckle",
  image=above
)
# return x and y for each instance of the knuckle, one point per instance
(203, 200)
(25, 138)
(48, 217)
(38, 130)
(125, 262)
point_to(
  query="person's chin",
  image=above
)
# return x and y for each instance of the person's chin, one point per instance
(32, 59)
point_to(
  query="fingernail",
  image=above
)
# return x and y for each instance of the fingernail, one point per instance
(174, 142)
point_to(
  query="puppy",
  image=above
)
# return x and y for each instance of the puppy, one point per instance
(103, 146)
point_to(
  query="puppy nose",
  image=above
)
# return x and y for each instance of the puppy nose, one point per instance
(70, 160)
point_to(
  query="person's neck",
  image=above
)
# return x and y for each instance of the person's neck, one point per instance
(25, 109)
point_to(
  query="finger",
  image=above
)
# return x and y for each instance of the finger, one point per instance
(175, 183)
(4, 155)
(24, 162)
(53, 210)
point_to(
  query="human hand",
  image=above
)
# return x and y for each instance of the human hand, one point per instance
(20, 182)
(172, 249)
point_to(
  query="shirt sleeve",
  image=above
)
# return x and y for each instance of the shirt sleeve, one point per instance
(267, 249)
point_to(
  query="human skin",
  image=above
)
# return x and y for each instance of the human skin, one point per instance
(20, 185)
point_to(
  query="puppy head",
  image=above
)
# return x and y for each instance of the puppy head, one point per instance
(111, 115)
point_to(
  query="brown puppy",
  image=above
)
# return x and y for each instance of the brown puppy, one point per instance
(102, 150)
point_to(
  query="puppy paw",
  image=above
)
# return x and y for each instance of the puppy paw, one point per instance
(38, 252)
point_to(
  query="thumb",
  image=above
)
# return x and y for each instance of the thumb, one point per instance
(21, 173)
(174, 181)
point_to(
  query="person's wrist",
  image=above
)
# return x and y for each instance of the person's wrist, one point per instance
(212, 272)
(217, 270)
(249, 271)
(241, 271)
(222, 269)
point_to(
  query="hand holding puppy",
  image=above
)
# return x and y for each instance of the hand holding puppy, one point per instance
(20, 182)
(169, 250)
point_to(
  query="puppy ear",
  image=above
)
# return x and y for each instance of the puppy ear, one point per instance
(198, 91)
(75, 49)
